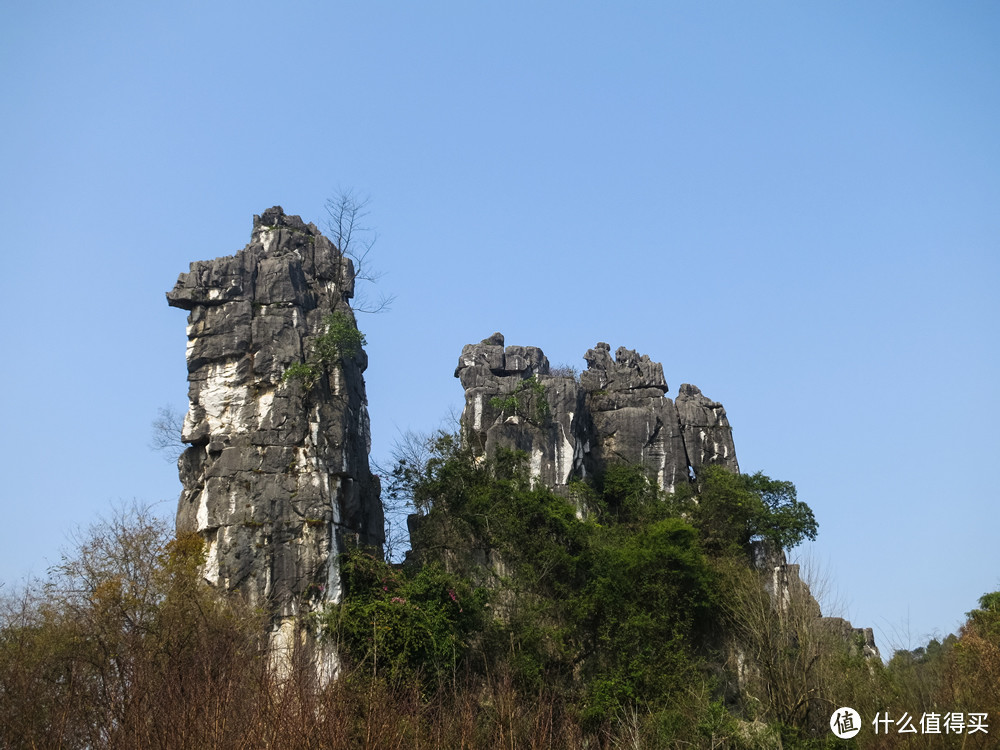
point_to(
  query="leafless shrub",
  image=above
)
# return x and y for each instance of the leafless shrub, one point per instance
(346, 215)
(565, 371)
(167, 428)
(409, 456)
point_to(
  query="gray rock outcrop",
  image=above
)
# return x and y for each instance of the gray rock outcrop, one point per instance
(788, 592)
(617, 411)
(276, 479)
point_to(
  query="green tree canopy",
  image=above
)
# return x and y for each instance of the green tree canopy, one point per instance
(733, 510)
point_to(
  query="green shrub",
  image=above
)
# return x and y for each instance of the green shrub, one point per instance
(628, 495)
(526, 400)
(403, 626)
(340, 340)
(733, 510)
(612, 596)
(306, 374)
(608, 607)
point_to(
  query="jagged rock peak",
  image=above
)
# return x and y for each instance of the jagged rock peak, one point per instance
(616, 411)
(276, 477)
(275, 236)
(276, 217)
(489, 358)
(629, 370)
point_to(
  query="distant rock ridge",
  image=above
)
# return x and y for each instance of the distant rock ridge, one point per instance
(276, 477)
(572, 427)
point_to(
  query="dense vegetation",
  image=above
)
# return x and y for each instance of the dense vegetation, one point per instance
(616, 616)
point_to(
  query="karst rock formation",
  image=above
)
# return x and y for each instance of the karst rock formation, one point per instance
(615, 411)
(276, 477)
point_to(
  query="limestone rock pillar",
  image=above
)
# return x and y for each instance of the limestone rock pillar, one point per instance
(276, 476)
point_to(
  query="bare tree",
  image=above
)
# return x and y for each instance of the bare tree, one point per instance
(346, 215)
(410, 453)
(792, 665)
(167, 428)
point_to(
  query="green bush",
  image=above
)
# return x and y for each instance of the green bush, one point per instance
(340, 340)
(404, 627)
(526, 400)
(306, 374)
(648, 602)
(612, 597)
(610, 607)
(628, 496)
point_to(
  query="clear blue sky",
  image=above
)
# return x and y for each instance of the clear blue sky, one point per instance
(795, 206)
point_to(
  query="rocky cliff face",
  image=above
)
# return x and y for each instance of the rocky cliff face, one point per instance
(571, 428)
(788, 592)
(276, 478)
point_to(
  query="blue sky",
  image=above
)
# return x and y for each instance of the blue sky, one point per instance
(793, 206)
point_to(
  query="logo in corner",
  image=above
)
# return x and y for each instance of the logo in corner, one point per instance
(845, 722)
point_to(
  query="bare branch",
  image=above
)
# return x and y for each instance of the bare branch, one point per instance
(407, 463)
(346, 214)
(166, 438)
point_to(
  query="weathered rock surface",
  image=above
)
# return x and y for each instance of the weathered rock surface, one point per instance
(616, 412)
(276, 477)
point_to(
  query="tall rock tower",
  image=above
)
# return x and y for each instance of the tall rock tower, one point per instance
(276, 478)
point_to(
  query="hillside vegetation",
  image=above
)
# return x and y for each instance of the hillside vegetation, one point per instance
(617, 616)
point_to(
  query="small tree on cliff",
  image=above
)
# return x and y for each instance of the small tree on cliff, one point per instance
(733, 510)
(346, 214)
(167, 429)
